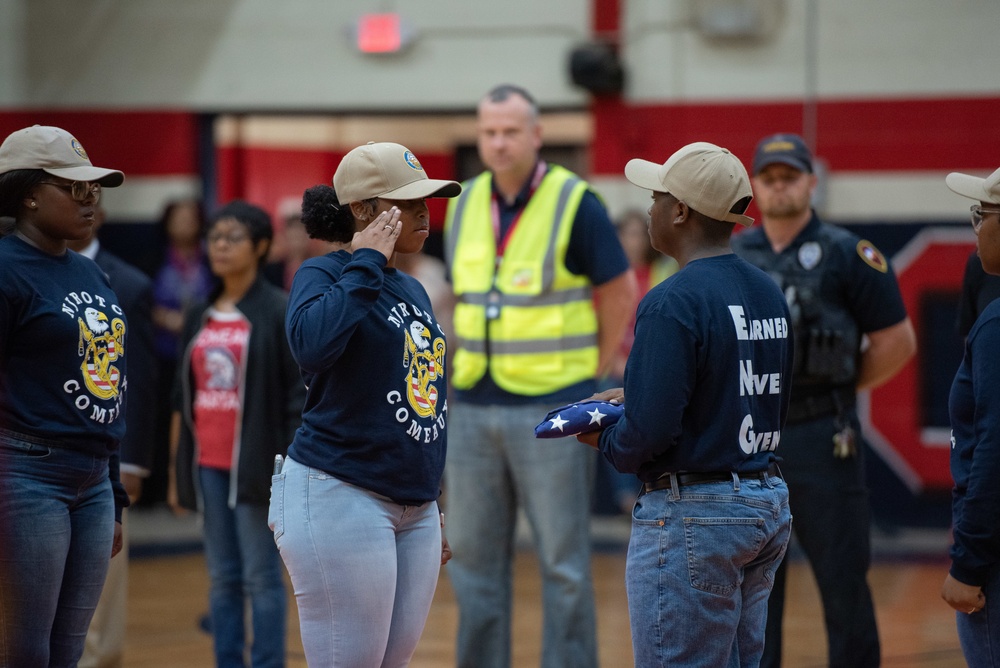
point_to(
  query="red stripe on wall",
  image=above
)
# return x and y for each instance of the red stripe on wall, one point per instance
(606, 17)
(139, 143)
(866, 135)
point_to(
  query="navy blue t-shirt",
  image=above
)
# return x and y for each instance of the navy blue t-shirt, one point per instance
(63, 349)
(372, 355)
(707, 381)
(593, 251)
(975, 453)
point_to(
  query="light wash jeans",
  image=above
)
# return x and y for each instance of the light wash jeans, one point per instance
(364, 569)
(495, 463)
(57, 517)
(700, 566)
(243, 565)
(979, 633)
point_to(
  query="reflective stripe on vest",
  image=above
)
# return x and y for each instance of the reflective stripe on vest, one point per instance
(545, 337)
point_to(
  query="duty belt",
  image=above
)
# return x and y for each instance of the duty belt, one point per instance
(830, 403)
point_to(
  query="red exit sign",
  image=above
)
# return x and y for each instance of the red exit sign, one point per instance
(382, 33)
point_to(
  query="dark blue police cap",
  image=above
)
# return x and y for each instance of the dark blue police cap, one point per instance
(786, 149)
(579, 418)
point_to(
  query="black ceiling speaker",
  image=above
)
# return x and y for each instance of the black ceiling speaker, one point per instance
(596, 67)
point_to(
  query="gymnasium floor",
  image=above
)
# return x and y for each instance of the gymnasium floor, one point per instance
(168, 594)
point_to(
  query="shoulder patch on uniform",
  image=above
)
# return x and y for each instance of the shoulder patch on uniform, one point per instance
(872, 257)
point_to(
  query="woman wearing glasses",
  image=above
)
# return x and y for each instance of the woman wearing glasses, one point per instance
(239, 403)
(63, 352)
(972, 586)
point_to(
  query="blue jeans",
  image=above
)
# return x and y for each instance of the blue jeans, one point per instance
(364, 568)
(243, 564)
(494, 463)
(700, 566)
(979, 633)
(57, 516)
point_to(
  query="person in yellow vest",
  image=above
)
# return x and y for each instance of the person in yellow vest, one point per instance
(529, 246)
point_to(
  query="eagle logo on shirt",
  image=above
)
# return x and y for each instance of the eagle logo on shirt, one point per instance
(424, 362)
(100, 344)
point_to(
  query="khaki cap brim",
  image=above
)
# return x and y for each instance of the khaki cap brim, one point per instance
(648, 175)
(974, 187)
(422, 188)
(108, 178)
(645, 174)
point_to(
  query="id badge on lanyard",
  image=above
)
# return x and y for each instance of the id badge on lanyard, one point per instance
(494, 300)
(493, 305)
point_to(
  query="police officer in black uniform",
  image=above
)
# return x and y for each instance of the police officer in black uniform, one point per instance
(851, 332)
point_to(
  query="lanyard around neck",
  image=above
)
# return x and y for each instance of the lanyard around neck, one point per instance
(501, 243)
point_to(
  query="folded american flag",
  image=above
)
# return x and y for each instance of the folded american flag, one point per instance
(583, 416)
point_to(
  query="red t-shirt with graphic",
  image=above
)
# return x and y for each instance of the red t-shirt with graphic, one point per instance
(218, 358)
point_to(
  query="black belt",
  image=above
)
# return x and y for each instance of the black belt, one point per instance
(810, 408)
(691, 478)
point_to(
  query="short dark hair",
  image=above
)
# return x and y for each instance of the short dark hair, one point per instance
(713, 229)
(14, 187)
(256, 221)
(505, 91)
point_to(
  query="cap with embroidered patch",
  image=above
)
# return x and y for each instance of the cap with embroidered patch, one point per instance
(56, 152)
(385, 169)
(974, 187)
(706, 177)
(784, 149)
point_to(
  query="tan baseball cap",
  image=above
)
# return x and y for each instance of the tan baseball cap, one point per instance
(973, 187)
(708, 178)
(385, 169)
(55, 151)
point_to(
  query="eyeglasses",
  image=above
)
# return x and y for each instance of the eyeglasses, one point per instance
(977, 215)
(78, 190)
(232, 238)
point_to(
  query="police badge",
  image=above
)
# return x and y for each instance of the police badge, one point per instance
(810, 253)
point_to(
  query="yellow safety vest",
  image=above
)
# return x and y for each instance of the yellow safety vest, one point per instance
(544, 336)
(660, 270)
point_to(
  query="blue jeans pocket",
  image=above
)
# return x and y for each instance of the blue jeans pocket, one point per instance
(276, 508)
(22, 446)
(718, 548)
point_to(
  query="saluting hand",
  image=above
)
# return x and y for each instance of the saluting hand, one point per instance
(381, 233)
